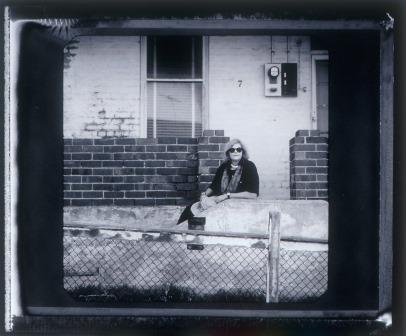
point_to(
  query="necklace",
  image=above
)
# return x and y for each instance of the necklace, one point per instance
(234, 166)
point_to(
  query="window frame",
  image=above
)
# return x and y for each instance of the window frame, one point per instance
(146, 80)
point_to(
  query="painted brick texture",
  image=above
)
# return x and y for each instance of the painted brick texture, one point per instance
(137, 172)
(102, 87)
(309, 165)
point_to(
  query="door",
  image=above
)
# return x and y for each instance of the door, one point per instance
(320, 92)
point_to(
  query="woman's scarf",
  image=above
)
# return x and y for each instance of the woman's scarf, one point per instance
(231, 186)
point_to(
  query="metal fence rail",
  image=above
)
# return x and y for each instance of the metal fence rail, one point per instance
(190, 267)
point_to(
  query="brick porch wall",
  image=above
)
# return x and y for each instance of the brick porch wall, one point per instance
(308, 165)
(211, 155)
(133, 172)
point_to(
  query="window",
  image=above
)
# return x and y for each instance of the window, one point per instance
(174, 86)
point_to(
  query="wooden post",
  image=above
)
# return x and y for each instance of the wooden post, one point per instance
(272, 279)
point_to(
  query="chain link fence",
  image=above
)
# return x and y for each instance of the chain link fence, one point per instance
(302, 275)
(160, 268)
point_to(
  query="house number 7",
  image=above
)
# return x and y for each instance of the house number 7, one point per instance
(239, 82)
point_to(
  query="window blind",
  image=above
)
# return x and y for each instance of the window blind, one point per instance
(174, 109)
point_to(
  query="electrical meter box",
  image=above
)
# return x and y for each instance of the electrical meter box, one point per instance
(280, 79)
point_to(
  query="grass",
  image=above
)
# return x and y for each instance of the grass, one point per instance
(173, 294)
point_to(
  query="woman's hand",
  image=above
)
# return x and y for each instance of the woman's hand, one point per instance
(220, 198)
(207, 202)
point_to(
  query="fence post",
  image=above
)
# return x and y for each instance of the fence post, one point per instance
(272, 279)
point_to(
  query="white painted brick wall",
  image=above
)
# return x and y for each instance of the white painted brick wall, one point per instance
(102, 88)
(265, 124)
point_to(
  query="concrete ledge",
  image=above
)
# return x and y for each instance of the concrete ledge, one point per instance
(142, 217)
(299, 218)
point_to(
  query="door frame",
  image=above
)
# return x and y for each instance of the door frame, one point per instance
(316, 55)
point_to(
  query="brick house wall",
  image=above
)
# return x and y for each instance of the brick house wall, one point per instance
(105, 95)
(142, 171)
(309, 165)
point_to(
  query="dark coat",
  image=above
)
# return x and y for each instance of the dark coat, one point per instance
(249, 178)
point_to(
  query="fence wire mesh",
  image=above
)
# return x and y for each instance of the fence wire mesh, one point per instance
(120, 270)
(302, 274)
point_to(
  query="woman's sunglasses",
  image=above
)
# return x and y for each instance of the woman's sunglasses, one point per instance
(232, 150)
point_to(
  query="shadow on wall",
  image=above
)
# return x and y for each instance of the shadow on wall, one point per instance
(145, 172)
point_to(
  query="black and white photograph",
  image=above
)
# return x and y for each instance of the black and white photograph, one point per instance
(211, 163)
(221, 125)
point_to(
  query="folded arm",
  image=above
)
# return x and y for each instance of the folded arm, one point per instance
(242, 194)
(221, 198)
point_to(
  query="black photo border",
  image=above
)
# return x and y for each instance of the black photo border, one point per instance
(386, 143)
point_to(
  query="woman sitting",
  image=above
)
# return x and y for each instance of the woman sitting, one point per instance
(237, 177)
